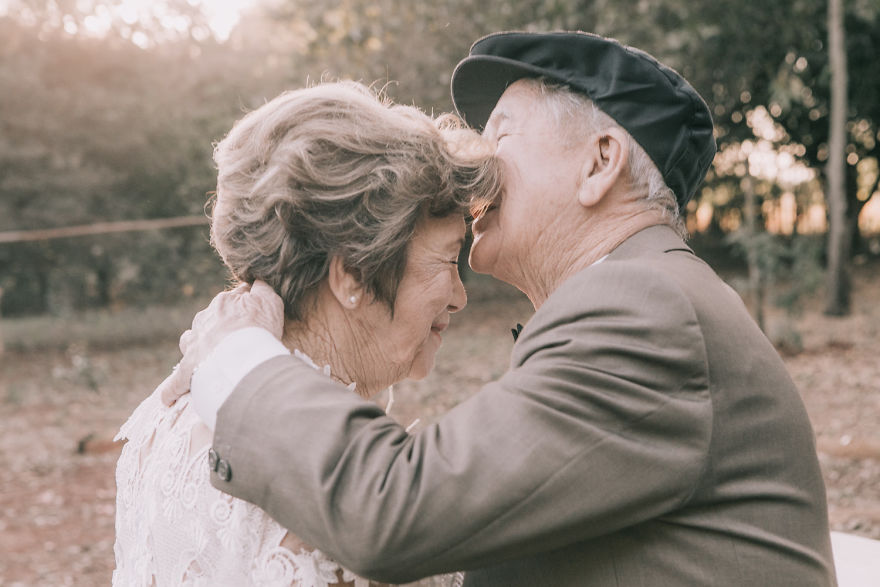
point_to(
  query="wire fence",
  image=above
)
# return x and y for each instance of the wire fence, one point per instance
(18, 236)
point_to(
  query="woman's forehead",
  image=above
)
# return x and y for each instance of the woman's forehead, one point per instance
(444, 233)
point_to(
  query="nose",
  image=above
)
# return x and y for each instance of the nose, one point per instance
(459, 295)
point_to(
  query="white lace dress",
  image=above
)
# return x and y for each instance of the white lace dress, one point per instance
(174, 528)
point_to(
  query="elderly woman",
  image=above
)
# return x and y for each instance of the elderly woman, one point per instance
(352, 210)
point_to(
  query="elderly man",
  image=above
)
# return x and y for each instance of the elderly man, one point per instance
(646, 432)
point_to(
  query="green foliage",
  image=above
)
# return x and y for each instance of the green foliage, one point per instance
(740, 67)
(792, 264)
(789, 270)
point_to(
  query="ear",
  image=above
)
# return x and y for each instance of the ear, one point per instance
(344, 286)
(604, 166)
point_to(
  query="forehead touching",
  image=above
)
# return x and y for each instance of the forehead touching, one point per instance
(441, 235)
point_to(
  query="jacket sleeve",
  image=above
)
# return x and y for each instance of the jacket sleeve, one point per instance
(603, 421)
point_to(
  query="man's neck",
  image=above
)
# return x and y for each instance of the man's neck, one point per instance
(595, 241)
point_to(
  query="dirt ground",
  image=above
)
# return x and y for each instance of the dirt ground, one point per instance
(60, 408)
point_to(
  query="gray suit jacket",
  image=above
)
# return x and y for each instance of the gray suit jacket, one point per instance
(646, 433)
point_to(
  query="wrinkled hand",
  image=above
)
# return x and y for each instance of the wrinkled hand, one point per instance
(242, 307)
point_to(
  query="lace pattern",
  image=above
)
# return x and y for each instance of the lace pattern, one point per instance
(174, 528)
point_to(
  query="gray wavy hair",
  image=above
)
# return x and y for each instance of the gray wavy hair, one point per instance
(337, 170)
(579, 116)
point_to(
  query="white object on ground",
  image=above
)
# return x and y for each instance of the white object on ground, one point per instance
(857, 560)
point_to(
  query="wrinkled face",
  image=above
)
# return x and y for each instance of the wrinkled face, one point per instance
(429, 292)
(540, 177)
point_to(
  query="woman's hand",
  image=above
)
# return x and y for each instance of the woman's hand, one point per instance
(242, 307)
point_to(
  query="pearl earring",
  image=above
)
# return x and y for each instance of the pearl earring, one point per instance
(353, 300)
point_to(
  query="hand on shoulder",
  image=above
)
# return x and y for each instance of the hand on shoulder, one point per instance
(245, 306)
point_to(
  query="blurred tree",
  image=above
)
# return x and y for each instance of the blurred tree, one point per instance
(98, 129)
(838, 244)
(788, 75)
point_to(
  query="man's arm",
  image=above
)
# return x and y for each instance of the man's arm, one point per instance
(602, 422)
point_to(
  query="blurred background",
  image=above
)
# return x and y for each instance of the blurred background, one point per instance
(108, 114)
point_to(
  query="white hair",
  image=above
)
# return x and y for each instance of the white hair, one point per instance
(580, 117)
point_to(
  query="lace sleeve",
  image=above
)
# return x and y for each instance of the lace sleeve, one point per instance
(174, 528)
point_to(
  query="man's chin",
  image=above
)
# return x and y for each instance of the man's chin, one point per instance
(420, 371)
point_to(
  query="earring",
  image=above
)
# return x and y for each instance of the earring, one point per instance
(353, 300)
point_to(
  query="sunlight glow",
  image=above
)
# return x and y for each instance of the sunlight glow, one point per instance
(224, 15)
(136, 18)
(869, 219)
(776, 165)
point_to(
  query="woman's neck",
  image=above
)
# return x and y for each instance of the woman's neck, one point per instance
(315, 341)
(329, 342)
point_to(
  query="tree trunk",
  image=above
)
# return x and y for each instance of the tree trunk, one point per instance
(838, 302)
(1, 318)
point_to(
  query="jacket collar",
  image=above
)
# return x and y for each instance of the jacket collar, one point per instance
(659, 238)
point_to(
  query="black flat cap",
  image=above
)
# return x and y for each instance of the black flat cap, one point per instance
(661, 110)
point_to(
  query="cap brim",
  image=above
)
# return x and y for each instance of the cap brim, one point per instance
(479, 81)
